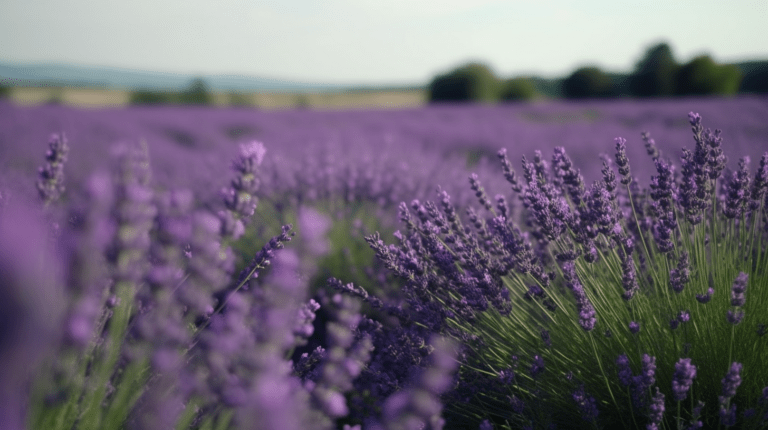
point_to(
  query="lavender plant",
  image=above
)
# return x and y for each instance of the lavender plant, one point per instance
(161, 330)
(556, 316)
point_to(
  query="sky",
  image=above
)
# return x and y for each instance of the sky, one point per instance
(375, 41)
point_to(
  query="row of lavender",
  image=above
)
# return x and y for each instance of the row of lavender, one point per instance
(123, 307)
(470, 285)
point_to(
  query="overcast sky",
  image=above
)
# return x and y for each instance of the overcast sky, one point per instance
(375, 41)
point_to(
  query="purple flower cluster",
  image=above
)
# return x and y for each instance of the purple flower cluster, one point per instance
(639, 385)
(681, 275)
(739, 287)
(730, 383)
(682, 380)
(737, 197)
(587, 404)
(587, 314)
(240, 197)
(50, 182)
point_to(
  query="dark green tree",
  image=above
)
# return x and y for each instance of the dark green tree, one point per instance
(654, 75)
(755, 78)
(518, 89)
(473, 82)
(5, 91)
(196, 93)
(150, 97)
(702, 76)
(588, 82)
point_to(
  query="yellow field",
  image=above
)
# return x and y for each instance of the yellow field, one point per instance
(355, 99)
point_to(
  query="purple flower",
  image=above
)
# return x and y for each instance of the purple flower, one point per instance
(625, 372)
(681, 275)
(474, 183)
(587, 314)
(509, 172)
(541, 207)
(650, 145)
(760, 184)
(647, 375)
(715, 156)
(545, 338)
(682, 380)
(537, 366)
(622, 162)
(734, 317)
(628, 277)
(737, 194)
(705, 298)
(303, 327)
(587, 404)
(419, 406)
(656, 409)
(693, 195)
(738, 289)
(569, 176)
(501, 206)
(732, 380)
(486, 425)
(601, 208)
(696, 414)
(634, 327)
(240, 197)
(50, 182)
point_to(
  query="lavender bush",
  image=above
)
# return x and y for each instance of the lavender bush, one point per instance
(553, 304)
(610, 305)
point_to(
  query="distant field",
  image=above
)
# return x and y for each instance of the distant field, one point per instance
(96, 98)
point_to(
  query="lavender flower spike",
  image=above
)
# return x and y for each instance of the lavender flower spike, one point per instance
(656, 410)
(50, 182)
(738, 193)
(705, 298)
(760, 183)
(680, 276)
(683, 378)
(587, 312)
(622, 161)
(732, 380)
(586, 403)
(240, 197)
(730, 383)
(625, 372)
(734, 316)
(738, 289)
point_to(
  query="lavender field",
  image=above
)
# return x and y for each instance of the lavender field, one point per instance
(522, 266)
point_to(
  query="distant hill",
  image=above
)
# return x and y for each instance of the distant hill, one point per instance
(128, 79)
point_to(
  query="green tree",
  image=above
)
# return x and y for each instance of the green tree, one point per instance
(655, 74)
(473, 82)
(5, 91)
(588, 82)
(518, 89)
(755, 77)
(702, 76)
(196, 94)
(150, 97)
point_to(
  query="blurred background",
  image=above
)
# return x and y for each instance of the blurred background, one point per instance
(340, 54)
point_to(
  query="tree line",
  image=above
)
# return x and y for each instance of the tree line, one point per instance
(657, 74)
